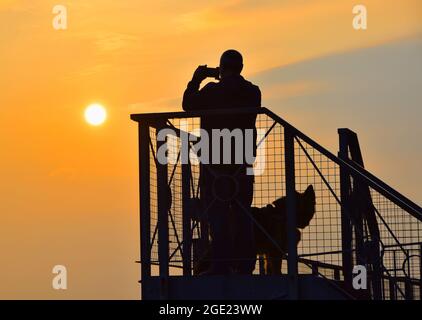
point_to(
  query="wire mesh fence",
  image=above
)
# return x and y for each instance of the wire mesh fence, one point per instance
(320, 249)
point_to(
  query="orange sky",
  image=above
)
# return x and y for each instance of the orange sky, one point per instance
(68, 191)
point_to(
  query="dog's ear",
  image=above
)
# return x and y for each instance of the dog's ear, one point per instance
(307, 211)
(310, 189)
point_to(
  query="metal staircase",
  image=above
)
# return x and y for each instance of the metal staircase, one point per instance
(359, 219)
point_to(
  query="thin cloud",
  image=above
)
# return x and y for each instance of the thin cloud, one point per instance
(113, 41)
(157, 105)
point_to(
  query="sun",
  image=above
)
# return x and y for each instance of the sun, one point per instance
(95, 114)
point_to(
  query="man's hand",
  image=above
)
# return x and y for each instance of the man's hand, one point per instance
(200, 74)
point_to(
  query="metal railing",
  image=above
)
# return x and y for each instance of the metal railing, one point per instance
(359, 220)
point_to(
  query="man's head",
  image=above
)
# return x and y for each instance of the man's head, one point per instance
(231, 63)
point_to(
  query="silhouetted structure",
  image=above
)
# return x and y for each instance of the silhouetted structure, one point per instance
(226, 189)
(358, 220)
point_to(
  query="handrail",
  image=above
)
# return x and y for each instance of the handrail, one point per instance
(353, 168)
(358, 171)
(139, 117)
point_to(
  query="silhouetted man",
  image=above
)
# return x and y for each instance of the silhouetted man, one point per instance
(226, 189)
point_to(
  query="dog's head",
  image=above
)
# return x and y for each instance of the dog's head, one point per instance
(305, 206)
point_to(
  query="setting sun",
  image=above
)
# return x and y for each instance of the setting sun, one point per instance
(95, 114)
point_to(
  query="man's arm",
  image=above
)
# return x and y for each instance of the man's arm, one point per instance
(257, 97)
(193, 98)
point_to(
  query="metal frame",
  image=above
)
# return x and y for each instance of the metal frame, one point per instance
(349, 143)
(292, 258)
(349, 167)
(144, 203)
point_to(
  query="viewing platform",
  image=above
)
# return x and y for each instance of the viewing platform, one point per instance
(359, 220)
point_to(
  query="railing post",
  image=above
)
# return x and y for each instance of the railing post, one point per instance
(163, 232)
(144, 205)
(292, 259)
(376, 263)
(187, 232)
(346, 225)
(392, 289)
(408, 288)
(420, 272)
